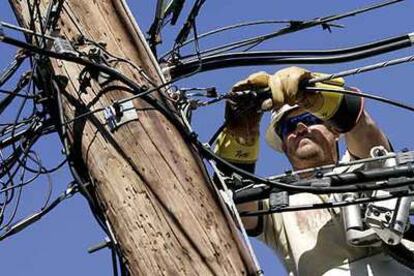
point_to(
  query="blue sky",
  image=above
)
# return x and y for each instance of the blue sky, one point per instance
(57, 245)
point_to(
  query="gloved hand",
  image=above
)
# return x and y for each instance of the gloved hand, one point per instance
(243, 114)
(285, 88)
(239, 141)
(245, 110)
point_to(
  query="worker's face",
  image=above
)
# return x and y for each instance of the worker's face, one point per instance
(309, 143)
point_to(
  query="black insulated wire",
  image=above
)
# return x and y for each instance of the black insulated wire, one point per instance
(305, 57)
(327, 52)
(331, 204)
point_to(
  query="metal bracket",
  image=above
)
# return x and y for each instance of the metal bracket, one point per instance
(389, 218)
(106, 243)
(119, 114)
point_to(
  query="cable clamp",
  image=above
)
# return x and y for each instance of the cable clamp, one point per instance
(120, 113)
(63, 46)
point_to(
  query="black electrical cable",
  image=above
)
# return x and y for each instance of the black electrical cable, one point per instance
(189, 23)
(327, 52)
(55, 8)
(332, 204)
(250, 59)
(31, 23)
(5, 102)
(16, 94)
(14, 211)
(19, 112)
(117, 75)
(13, 159)
(41, 171)
(40, 22)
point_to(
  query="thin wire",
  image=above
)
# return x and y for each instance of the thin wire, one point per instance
(363, 69)
(290, 29)
(227, 28)
(14, 93)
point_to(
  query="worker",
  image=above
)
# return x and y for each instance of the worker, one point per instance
(306, 127)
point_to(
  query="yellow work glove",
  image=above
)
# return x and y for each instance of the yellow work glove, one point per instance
(239, 141)
(342, 112)
(286, 84)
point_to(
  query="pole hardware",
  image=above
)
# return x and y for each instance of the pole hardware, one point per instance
(120, 113)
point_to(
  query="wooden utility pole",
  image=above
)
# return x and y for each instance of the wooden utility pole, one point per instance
(151, 184)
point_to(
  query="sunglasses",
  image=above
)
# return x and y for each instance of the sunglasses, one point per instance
(288, 125)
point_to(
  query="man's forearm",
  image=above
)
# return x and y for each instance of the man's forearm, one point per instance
(364, 136)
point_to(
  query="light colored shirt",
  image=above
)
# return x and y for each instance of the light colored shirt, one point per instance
(313, 242)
